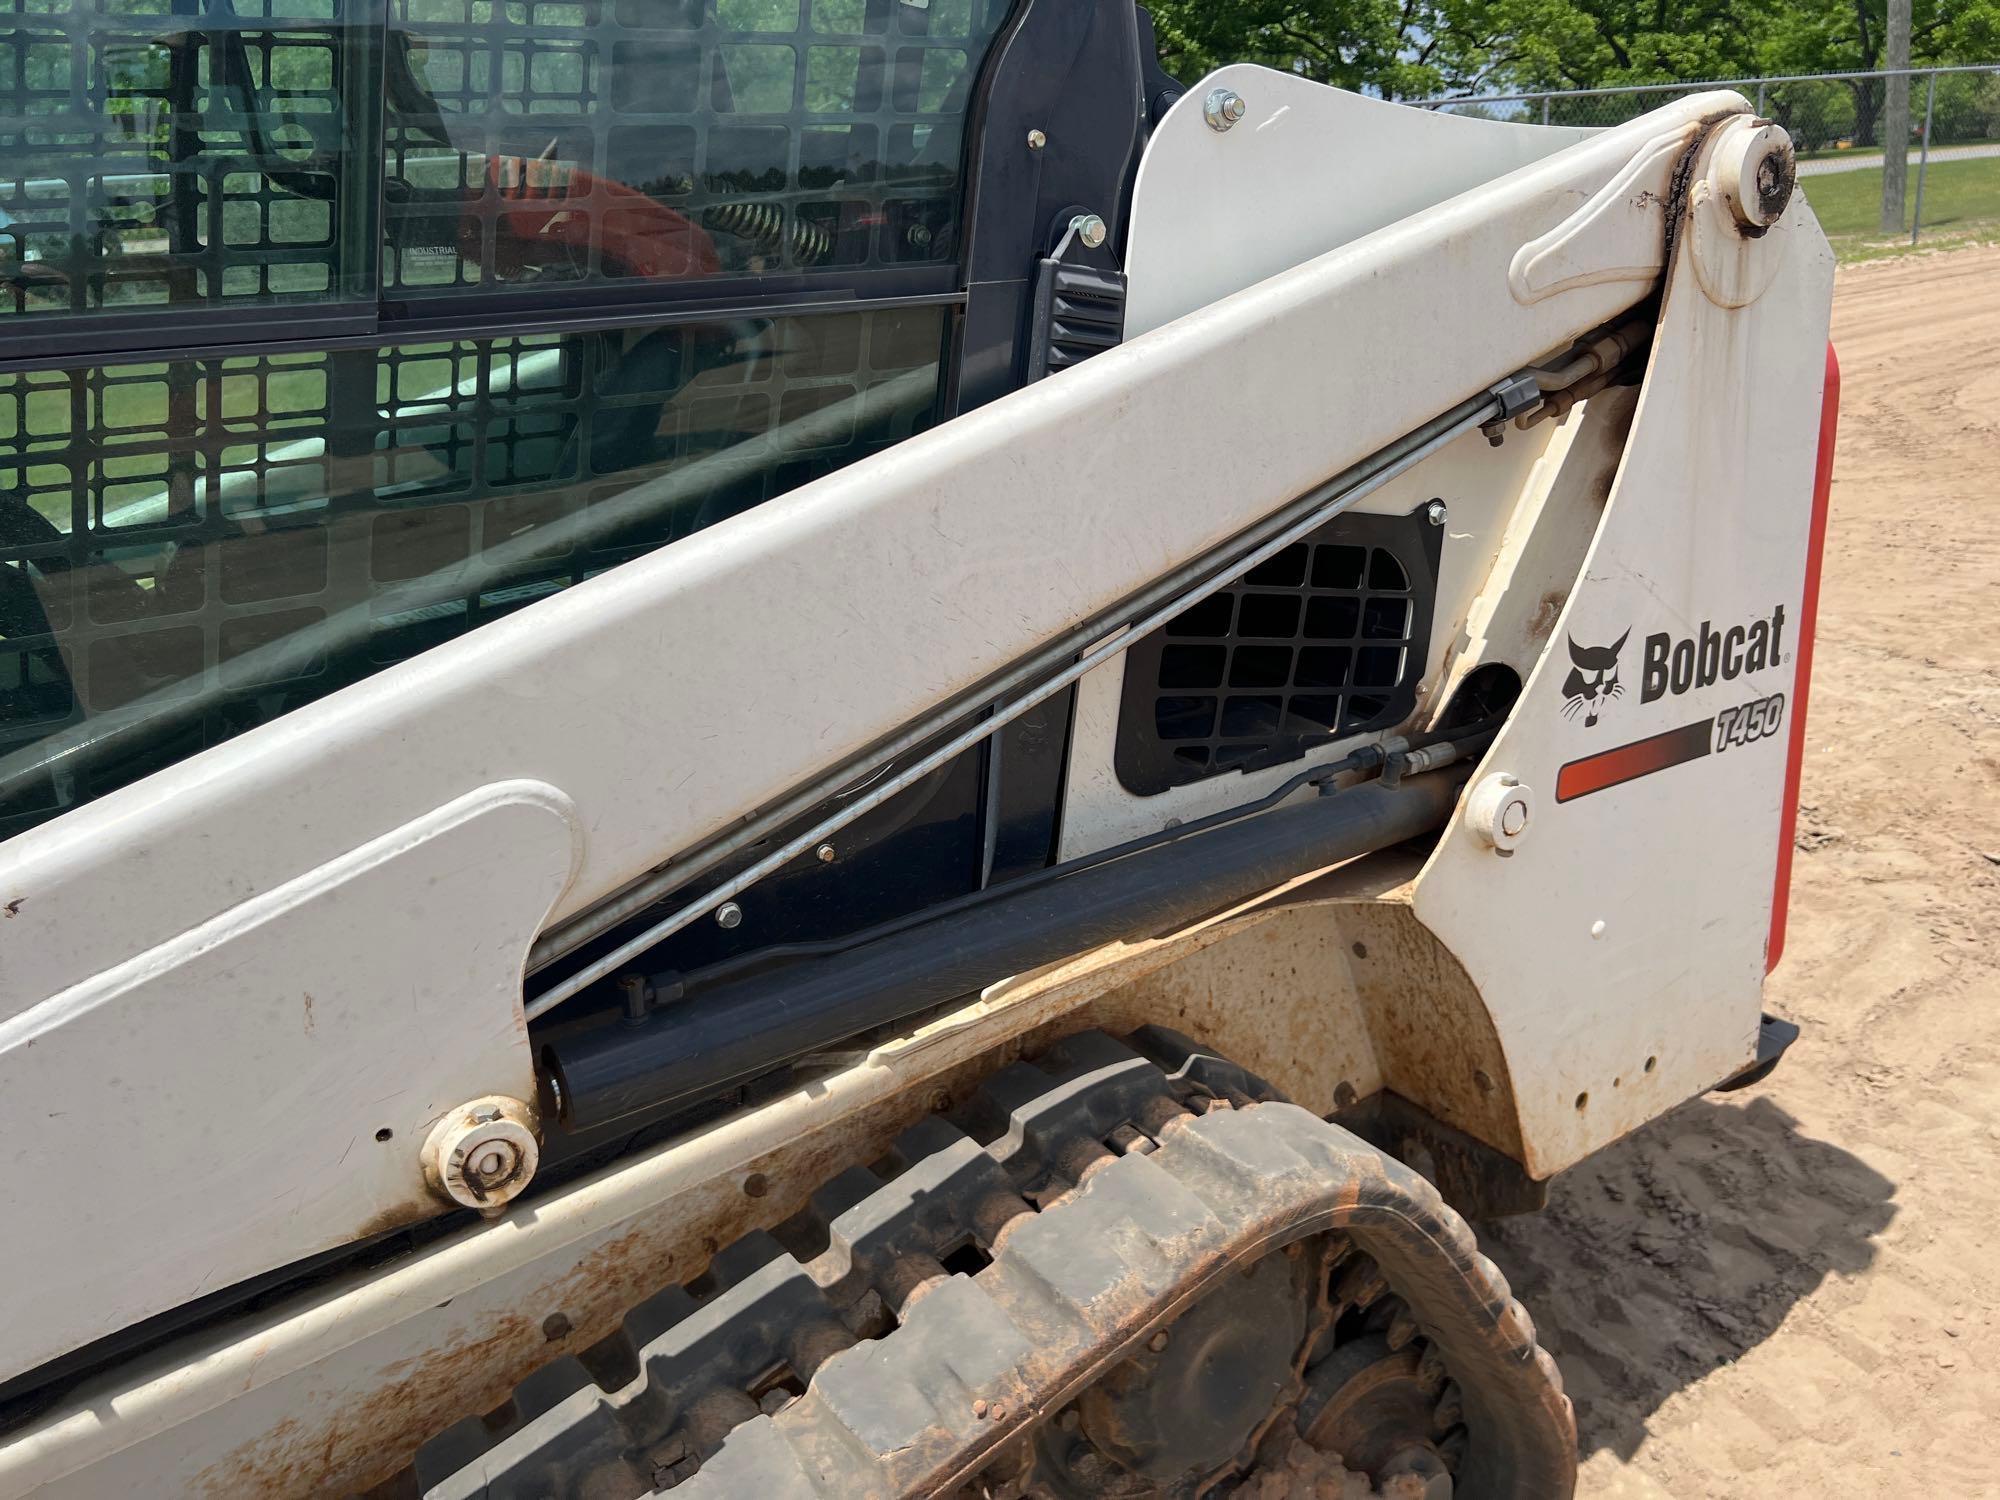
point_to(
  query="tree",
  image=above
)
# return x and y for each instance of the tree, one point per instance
(1607, 43)
(1846, 36)
(1417, 48)
(1402, 49)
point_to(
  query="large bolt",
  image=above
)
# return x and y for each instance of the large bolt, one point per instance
(1090, 229)
(1222, 108)
(1755, 169)
(482, 1154)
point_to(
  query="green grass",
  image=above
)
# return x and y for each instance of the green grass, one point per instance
(1961, 205)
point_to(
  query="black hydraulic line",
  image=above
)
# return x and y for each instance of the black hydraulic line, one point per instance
(778, 955)
(738, 1031)
(1459, 743)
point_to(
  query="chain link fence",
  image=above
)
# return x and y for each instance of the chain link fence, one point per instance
(1840, 123)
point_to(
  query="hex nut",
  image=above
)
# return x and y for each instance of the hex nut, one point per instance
(1223, 108)
(483, 1154)
(1090, 228)
(1498, 811)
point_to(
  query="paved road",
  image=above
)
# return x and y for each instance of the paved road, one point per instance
(1861, 161)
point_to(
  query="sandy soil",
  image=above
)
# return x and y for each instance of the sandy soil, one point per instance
(1790, 1291)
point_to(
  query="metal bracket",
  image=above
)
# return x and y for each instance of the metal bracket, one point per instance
(1519, 392)
(1774, 1038)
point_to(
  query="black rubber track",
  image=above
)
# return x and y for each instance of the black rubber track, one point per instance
(1081, 1202)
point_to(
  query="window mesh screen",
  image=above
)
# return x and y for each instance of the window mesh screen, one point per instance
(152, 153)
(225, 152)
(192, 547)
(529, 140)
(1325, 640)
(189, 547)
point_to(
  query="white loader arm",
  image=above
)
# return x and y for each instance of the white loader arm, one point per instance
(241, 995)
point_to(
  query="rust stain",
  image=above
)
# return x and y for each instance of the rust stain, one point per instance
(1547, 611)
(1680, 196)
(397, 1216)
(1271, 995)
(366, 1442)
(1433, 1035)
(309, 1015)
(347, 1453)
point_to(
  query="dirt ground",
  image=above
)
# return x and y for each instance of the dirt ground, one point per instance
(1791, 1291)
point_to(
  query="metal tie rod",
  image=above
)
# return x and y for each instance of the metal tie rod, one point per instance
(1145, 612)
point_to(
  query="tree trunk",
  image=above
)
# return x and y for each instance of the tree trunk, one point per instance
(1867, 94)
(1896, 117)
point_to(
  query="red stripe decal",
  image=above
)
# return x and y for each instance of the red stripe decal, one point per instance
(1788, 819)
(1629, 762)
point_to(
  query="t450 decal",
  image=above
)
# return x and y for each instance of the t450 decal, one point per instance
(1742, 725)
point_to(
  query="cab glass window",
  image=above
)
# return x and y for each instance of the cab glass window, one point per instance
(330, 329)
(156, 152)
(564, 141)
(193, 547)
(204, 153)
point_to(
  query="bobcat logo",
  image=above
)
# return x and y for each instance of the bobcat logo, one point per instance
(1593, 678)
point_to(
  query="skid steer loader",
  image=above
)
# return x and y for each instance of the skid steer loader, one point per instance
(832, 747)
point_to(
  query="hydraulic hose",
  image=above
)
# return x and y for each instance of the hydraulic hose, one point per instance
(738, 1030)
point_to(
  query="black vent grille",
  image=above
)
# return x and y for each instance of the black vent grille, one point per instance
(1325, 640)
(1078, 312)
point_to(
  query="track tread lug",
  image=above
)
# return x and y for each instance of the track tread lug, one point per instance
(755, 1461)
(1182, 1058)
(958, 1346)
(836, 1197)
